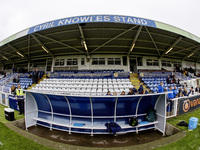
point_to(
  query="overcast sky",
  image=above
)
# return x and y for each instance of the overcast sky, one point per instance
(17, 15)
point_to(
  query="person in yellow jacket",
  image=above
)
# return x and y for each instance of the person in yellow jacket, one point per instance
(20, 98)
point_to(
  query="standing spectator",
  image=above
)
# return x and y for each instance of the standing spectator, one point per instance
(160, 88)
(170, 95)
(17, 80)
(175, 91)
(140, 90)
(169, 99)
(168, 80)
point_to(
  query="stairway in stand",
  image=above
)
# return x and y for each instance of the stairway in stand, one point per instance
(134, 79)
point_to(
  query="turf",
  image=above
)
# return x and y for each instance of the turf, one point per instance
(192, 140)
(2, 115)
(9, 140)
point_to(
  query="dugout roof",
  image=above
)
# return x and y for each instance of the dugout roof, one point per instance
(100, 34)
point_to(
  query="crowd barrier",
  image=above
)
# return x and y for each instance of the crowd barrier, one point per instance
(4, 96)
(83, 114)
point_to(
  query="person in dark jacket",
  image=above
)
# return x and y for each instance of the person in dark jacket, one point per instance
(140, 90)
(168, 80)
(131, 92)
(134, 89)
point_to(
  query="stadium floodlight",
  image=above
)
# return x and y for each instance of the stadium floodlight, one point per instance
(190, 55)
(132, 47)
(5, 57)
(84, 43)
(45, 49)
(169, 50)
(20, 54)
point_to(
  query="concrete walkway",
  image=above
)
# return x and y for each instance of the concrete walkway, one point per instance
(61, 146)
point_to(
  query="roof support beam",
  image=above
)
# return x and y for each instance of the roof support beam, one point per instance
(134, 40)
(172, 46)
(83, 42)
(182, 50)
(113, 38)
(42, 45)
(17, 51)
(191, 53)
(60, 42)
(152, 40)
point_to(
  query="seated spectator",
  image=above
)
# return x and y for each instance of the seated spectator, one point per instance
(150, 92)
(109, 93)
(185, 92)
(140, 90)
(197, 89)
(168, 80)
(191, 91)
(174, 80)
(180, 94)
(160, 88)
(175, 91)
(131, 92)
(146, 90)
(114, 93)
(134, 89)
(122, 93)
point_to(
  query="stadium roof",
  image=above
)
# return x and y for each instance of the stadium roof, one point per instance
(100, 34)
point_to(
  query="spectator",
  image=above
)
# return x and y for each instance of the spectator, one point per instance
(180, 90)
(197, 89)
(168, 80)
(170, 95)
(174, 80)
(14, 80)
(134, 89)
(109, 93)
(114, 93)
(146, 90)
(178, 82)
(131, 92)
(160, 88)
(150, 92)
(169, 99)
(175, 91)
(140, 90)
(180, 94)
(191, 91)
(122, 93)
(185, 92)
(13, 89)
(17, 80)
